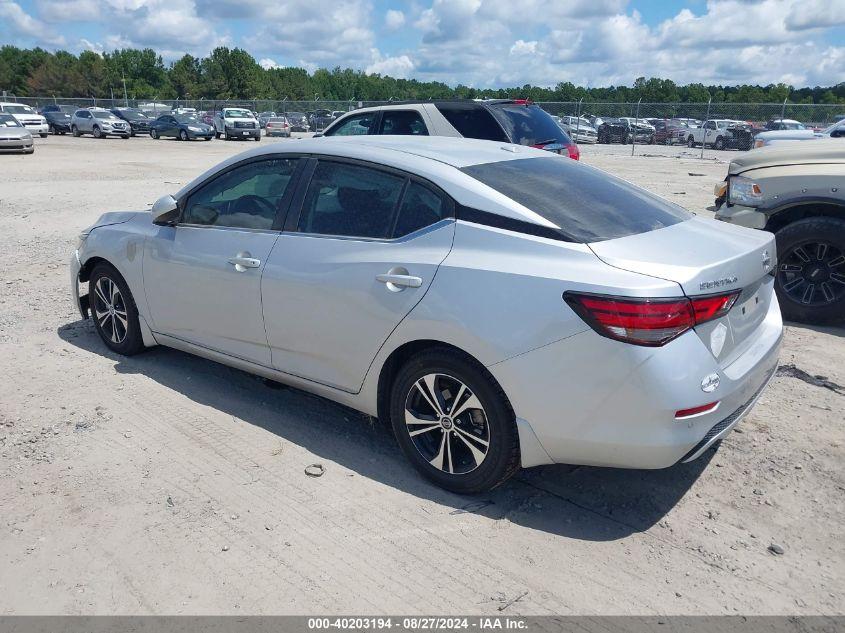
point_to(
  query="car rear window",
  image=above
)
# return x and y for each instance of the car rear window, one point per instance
(588, 205)
(529, 125)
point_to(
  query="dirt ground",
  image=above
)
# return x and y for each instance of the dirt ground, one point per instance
(169, 484)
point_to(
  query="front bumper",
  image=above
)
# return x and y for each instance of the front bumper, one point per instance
(749, 217)
(203, 135)
(41, 128)
(23, 145)
(237, 132)
(594, 401)
(80, 301)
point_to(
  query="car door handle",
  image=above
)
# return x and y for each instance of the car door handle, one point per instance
(400, 281)
(243, 261)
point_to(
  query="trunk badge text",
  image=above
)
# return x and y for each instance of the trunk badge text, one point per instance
(717, 283)
(709, 383)
(767, 260)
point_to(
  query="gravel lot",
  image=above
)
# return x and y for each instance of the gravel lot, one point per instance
(169, 484)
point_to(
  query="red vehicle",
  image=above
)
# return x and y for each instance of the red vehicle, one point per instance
(667, 131)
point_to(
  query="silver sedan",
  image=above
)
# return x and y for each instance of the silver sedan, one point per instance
(14, 137)
(499, 306)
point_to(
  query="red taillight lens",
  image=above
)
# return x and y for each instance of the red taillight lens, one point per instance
(574, 152)
(649, 322)
(704, 408)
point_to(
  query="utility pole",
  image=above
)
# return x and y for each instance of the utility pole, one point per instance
(125, 96)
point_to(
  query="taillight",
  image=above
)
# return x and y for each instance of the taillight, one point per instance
(683, 414)
(574, 152)
(649, 322)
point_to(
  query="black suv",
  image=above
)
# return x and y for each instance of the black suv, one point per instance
(505, 120)
(137, 120)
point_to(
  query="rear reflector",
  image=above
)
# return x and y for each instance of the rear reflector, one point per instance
(704, 408)
(649, 322)
(574, 152)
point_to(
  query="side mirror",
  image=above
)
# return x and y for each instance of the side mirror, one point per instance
(165, 211)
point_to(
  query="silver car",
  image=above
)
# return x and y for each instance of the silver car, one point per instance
(14, 137)
(500, 306)
(99, 123)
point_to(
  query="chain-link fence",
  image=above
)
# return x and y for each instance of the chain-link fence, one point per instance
(752, 117)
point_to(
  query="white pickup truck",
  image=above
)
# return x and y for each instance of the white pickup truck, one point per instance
(720, 134)
(27, 117)
(236, 123)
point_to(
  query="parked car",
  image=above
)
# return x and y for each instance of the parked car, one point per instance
(27, 117)
(721, 134)
(504, 120)
(776, 137)
(579, 129)
(99, 123)
(58, 107)
(670, 131)
(784, 124)
(611, 130)
(184, 110)
(298, 122)
(14, 137)
(499, 308)
(139, 123)
(263, 117)
(277, 126)
(336, 114)
(237, 123)
(639, 130)
(154, 110)
(795, 191)
(185, 127)
(320, 119)
(207, 117)
(58, 121)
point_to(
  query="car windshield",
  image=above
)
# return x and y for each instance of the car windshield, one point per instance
(792, 125)
(7, 120)
(58, 115)
(186, 118)
(530, 125)
(18, 109)
(134, 115)
(103, 115)
(233, 113)
(586, 204)
(295, 115)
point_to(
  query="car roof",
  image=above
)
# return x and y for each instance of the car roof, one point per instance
(435, 158)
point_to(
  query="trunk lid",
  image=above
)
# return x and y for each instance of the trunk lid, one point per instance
(705, 257)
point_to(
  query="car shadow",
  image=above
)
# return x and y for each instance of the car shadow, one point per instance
(594, 504)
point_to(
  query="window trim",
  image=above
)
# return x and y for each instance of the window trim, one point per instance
(283, 209)
(292, 221)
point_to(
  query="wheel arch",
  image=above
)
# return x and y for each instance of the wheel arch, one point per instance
(799, 210)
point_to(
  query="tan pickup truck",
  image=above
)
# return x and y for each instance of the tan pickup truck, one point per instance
(796, 191)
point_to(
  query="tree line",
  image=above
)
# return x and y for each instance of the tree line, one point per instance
(234, 74)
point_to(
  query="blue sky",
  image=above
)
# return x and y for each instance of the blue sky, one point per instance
(475, 42)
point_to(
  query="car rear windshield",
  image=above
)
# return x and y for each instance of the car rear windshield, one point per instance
(529, 125)
(587, 204)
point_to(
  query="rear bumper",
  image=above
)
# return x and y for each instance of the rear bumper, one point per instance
(593, 401)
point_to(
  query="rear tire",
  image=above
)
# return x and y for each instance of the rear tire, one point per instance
(75, 131)
(719, 144)
(810, 282)
(114, 311)
(474, 452)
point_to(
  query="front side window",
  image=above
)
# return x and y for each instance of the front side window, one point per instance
(354, 126)
(350, 200)
(248, 196)
(588, 205)
(404, 122)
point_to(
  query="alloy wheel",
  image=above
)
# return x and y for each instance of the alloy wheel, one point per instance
(813, 274)
(110, 310)
(447, 424)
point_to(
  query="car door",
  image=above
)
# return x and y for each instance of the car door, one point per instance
(357, 257)
(203, 276)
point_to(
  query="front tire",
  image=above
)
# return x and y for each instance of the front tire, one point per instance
(719, 144)
(114, 311)
(154, 134)
(810, 282)
(97, 132)
(183, 135)
(75, 131)
(453, 422)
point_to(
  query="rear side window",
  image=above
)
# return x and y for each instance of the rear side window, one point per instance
(405, 122)
(472, 121)
(588, 205)
(529, 125)
(350, 200)
(421, 207)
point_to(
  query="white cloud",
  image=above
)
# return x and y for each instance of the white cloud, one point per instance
(521, 47)
(811, 14)
(266, 63)
(400, 67)
(19, 23)
(394, 20)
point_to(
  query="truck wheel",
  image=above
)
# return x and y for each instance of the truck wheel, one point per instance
(690, 141)
(720, 143)
(810, 282)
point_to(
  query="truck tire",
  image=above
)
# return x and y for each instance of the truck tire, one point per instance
(810, 281)
(719, 144)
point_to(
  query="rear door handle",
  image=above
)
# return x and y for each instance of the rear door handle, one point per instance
(242, 261)
(399, 281)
